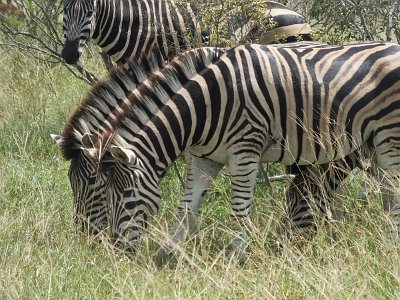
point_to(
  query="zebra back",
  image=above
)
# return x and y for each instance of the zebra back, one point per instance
(289, 102)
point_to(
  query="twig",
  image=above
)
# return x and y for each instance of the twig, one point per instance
(279, 178)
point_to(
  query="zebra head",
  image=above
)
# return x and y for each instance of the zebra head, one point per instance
(79, 21)
(88, 186)
(133, 195)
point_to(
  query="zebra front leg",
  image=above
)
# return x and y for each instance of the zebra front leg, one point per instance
(201, 174)
(243, 178)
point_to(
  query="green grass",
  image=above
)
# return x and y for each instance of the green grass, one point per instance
(43, 254)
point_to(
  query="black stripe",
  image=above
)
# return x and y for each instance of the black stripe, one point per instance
(288, 19)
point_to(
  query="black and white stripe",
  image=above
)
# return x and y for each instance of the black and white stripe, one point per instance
(125, 28)
(296, 104)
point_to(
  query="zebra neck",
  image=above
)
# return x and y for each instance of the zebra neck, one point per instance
(111, 18)
(124, 29)
(102, 10)
(165, 136)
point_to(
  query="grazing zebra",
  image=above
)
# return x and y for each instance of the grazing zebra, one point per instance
(299, 105)
(124, 28)
(93, 117)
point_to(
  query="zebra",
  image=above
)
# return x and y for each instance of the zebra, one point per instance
(299, 105)
(93, 117)
(124, 28)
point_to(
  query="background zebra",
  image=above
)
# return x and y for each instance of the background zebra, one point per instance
(125, 28)
(287, 25)
(349, 99)
(311, 197)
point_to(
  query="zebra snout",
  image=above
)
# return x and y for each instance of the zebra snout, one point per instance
(125, 247)
(70, 52)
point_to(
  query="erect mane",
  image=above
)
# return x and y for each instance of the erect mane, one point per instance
(152, 94)
(106, 100)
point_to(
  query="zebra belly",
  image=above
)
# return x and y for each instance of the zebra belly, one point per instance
(219, 155)
(307, 155)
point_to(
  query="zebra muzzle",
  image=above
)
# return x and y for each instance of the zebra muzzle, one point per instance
(70, 52)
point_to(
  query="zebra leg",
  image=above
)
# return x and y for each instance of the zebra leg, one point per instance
(201, 174)
(387, 159)
(310, 198)
(391, 205)
(243, 170)
(301, 201)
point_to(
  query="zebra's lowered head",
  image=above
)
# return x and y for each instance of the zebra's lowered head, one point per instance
(79, 22)
(135, 195)
(104, 106)
(87, 183)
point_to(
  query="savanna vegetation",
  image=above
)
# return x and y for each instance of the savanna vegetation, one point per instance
(43, 255)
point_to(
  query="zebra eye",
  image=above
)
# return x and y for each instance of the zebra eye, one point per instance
(129, 193)
(90, 14)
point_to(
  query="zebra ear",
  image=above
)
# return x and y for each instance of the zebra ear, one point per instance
(57, 139)
(88, 140)
(122, 154)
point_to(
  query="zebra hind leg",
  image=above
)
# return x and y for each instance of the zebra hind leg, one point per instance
(201, 174)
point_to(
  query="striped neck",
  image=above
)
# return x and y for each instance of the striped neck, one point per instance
(126, 28)
(164, 118)
(106, 101)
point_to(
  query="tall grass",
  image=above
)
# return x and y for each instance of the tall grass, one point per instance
(43, 254)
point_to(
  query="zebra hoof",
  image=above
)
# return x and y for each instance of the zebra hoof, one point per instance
(162, 257)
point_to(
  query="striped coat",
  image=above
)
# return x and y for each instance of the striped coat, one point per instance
(295, 104)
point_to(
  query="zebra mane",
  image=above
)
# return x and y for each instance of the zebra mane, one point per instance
(156, 90)
(106, 99)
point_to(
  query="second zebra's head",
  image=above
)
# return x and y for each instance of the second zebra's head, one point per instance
(133, 195)
(79, 22)
(87, 182)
